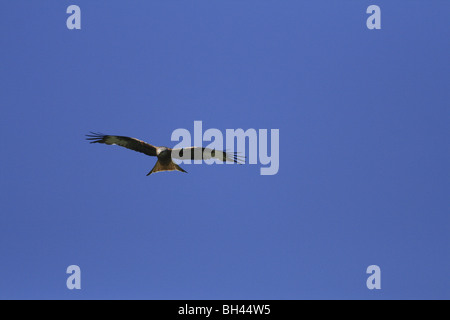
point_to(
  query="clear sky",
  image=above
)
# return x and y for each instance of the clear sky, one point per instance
(364, 176)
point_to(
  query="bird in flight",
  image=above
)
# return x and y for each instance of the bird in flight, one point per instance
(164, 154)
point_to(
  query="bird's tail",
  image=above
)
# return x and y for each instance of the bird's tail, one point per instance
(171, 166)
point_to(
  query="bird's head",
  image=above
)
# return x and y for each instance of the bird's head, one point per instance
(162, 152)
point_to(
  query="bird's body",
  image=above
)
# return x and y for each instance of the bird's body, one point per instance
(164, 154)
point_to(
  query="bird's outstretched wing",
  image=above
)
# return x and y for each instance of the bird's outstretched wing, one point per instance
(127, 142)
(199, 153)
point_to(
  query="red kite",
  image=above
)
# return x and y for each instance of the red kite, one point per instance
(164, 154)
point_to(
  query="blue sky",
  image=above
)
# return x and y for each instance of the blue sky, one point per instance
(364, 130)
